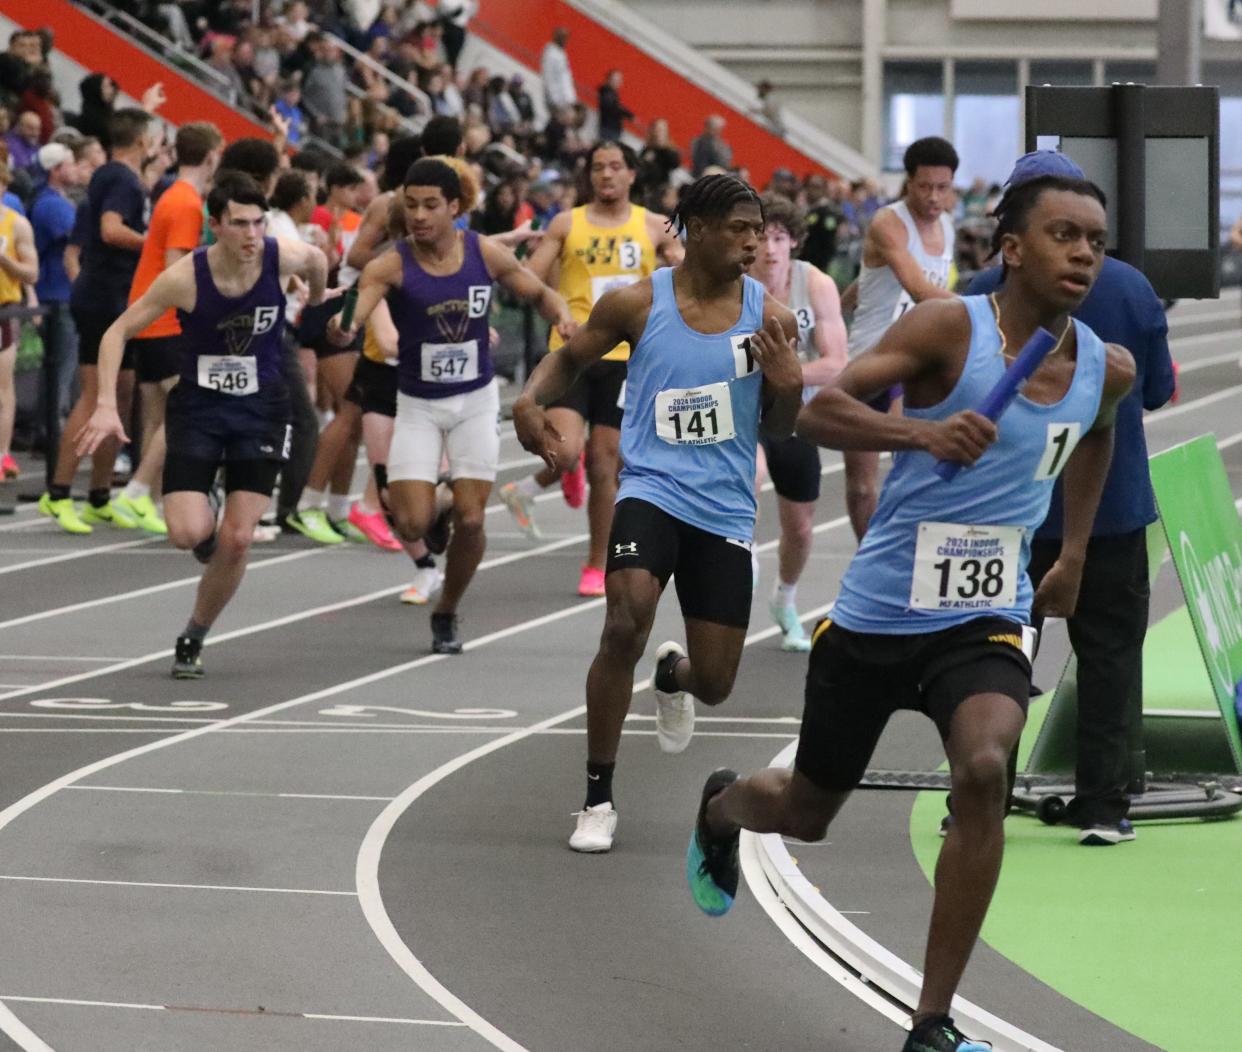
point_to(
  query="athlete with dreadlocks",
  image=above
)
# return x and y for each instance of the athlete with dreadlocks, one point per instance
(934, 610)
(712, 356)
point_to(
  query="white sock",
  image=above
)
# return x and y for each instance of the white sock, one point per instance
(784, 594)
(338, 506)
(312, 498)
(137, 490)
(528, 487)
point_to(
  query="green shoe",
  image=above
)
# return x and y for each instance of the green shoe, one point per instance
(64, 512)
(110, 514)
(143, 511)
(349, 531)
(313, 523)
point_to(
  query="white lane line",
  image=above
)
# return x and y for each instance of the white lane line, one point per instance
(103, 549)
(330, 1017)
(381, 1019)
(1202, 363)
(226, 792)
(1160, 415)
(185, 887)
(279, 622)
(139, 593)
(58, 657)
(367, 868)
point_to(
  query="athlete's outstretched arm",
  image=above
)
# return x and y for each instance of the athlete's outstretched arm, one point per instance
(926, 342)
(830, 337)
(308, 263)
(174, 288)
(378, 276)
(543, 262)
(888, 236)
(614, 319)
(505, 267)
(1084, 476)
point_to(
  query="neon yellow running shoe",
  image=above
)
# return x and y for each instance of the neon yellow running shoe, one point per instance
(313, 523)
(64, 512)
(348, 530)
(110, 514)
(143, 511)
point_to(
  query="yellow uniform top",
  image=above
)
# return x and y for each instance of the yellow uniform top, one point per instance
(10, 287)
(596, 259)
(371, 348)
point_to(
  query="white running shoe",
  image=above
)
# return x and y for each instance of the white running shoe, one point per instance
(521, 508)
(786, 617)
(427, 581)
(674, 709)
(595, 828)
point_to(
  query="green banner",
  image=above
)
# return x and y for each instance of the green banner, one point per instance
(1205, 538)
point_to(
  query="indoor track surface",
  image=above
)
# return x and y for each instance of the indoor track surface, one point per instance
(337, 841)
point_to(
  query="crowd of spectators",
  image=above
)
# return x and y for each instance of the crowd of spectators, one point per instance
(297, 65)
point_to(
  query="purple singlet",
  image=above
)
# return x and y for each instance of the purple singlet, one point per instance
(442, 325)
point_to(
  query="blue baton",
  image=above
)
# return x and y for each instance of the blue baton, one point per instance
(1006, 390)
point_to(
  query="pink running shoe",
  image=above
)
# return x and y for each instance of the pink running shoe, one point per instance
(573, 484)
(8, 467)
(375, 527)
(591, 583)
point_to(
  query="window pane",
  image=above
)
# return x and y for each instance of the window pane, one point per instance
(986, 136)
(1062, 74)
(913, 107)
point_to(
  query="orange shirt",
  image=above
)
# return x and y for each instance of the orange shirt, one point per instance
(176, 223)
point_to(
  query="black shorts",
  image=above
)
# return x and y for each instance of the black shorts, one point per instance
(313, 329)
(91, 328)
(713, 573)
(598, 395)
(206, 430)
(157, 358)
(856, 681)
(374, 387)
(794, 467)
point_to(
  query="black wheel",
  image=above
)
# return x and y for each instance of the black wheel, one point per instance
(1050, 810)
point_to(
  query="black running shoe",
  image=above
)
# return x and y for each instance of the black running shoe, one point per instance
(940, 1035)
(444, 634)
(441, 532)
(204, 550)
(188, 662)
(711, 860)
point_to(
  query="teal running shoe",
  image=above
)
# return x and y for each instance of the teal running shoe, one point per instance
(711, 860)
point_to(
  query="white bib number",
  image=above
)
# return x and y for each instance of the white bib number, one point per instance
(960, 567)
(696, 416)
(450, 363)
(609, 282)
(806, 320)
(1062, 438)
(480, 298)
(629, 255)
(228, 374)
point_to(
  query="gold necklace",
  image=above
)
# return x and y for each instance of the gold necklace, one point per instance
(1069, 322)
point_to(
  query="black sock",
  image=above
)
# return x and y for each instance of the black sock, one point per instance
(599, 783)
(425, 562)
(58, 492)
(195, 631)
(666, 675)
(380, 471)
(100, 497)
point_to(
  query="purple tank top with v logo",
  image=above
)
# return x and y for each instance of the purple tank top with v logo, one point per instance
(442, 325)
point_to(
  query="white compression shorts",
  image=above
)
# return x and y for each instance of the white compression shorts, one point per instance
(466, 427)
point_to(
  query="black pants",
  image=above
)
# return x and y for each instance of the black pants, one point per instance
(305, 437)
(1107, 633)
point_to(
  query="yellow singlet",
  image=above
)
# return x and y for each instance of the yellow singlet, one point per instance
(371, 348)
(596, 259)
(10, 287)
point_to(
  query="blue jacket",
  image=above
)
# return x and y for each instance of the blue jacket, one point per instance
(1122, 308)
